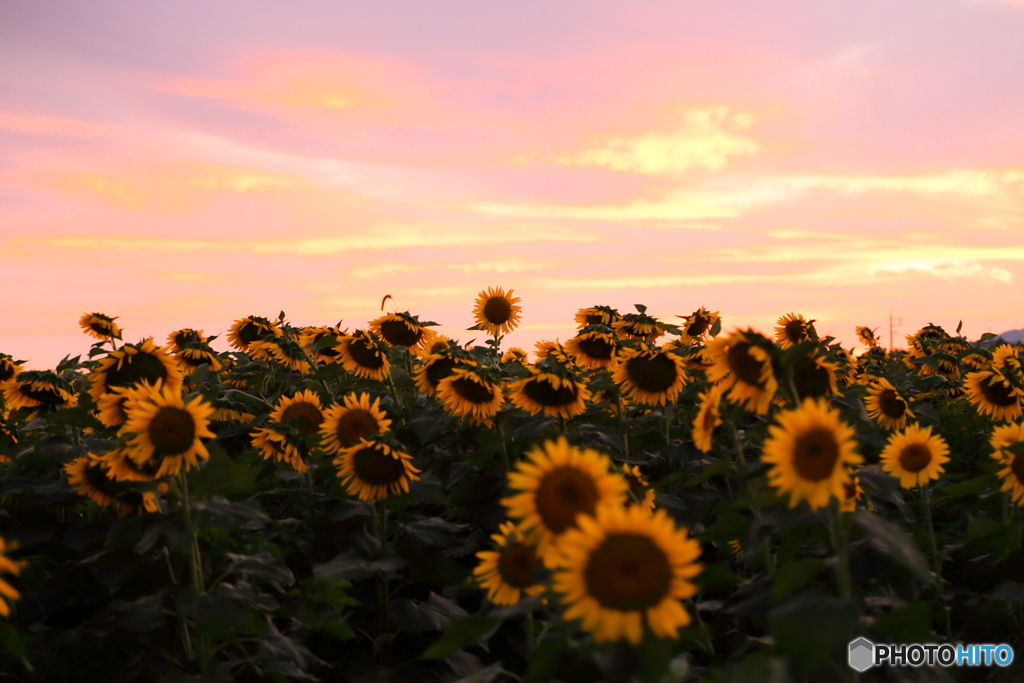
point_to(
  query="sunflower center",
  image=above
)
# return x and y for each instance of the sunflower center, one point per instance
(811, 380)
(565, 492)
(698, 327)
(354, 424)
(891, 404)
(172, 431)
(364, 355)
(815, 454)
(377, 468)
(628, 572)
(743, 364)
(7, 369)
(541, 391)
(306, 415)
(598, 348)
(1017, 467)
(997, 392)
(132, 499)
(97, 477)
(250, 332)
(915, 457)
(47, 395)
(850, 490)
(439, 369)
(796, 332)
(470, 390)
(636, 487)
(653, 374)
(399, 333)
(595, 319)
(138, 367)
(516, 565)
(498, 310)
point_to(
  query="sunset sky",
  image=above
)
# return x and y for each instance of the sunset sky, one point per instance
(189, 163)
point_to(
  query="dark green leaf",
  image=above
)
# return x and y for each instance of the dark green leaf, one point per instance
(794, 575)
(437, 570)
(11, 639)
(811, 626)
(222, 476)
(910, 623)
(221, 512)
(895, 542)
(433, 614)
(460, 634)
(262, 566)
(221, 613)
(714, 469)
(351, 567)
(544, 662)
(433, 531)
(1008, 592)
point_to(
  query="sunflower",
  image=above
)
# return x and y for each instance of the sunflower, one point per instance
(698, 325)
(436, 344)
(594, 347)
(89, 477)
(134, 364)
(8, 566)
(178, 339)
(7, 438)
(649, 375)
(245, 331)
(38, 389)
(1003, 437)
(792, 329)
(130, 503)
(364, 354)
(852, 492)
(280, 446)
(709, 417)
(403, 329)
(552, 349)
(100, 326)
(640, 489)
(1005, 358)
(914, 455)
(638, 326)
(622, 568)
(193, 354)
(810, 450)
(597, 315)
(886, 406)
(120, 467)
(556, 487)
(554, 392)
(344, 425)
(373, 470)
(514, 355)
(112, 408)
(283, 350)
(507, 573)
(471, 390)
(744, 366)
(8, 367)
(302, 410)
(438, 366)
(496, 312)
(310, 338)
(167, 431)
(993, 394)
(867, 336)
(978, 358)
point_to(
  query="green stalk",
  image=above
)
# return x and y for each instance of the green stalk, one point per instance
(837, 529)
(380, 524)
(936, 560)
(752, 490)
(195, 560)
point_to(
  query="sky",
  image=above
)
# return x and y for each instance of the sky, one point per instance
(187, 164)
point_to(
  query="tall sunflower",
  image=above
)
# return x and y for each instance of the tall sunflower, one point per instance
(743, 364)
(514, 355)
(623, 568)
(134, 364)
(344, 425)
(89, 477)
(437, 366)
(546, 348)
(436, 344)
(177, 340)
(283, 350)
(403, 329)
(473, 391)
(1003, 438)
(365, 355)
(8, 367)
(915, 456)
(38, 389)
(323, 352)
(375, 470)
(303, 411)
(100, 326)
(245, 331)
(555, 487)
(593, 347)
(649, 375)
(496, 311)
(167, 431)
(814, 377)
(698, 325)
(886, 406)
(597, 315)
(867, 336)
(1006, 358)
(792, 329)
(112, 408)
(709, 417)
(507, 573)
(193, 354)
(638, 325)
(8, 566)
(993, 394)
(280, 446)
(554, 391)
(810, 450)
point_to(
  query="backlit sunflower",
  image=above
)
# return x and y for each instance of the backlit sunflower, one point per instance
(886, 406)
(374, 470)
(743, 364)
(100, 326)
(852, 492)
(993, 394)
(436, 367)
(344, 425)
(112, 408)
(507, 573)
(810, 450)
(497, 312)
(8, 367)
(915, 456)
(792, 329)
(88, 476)
(555, 487)
(698, 325)
(514, 355)
(709, 417)
(193, 354)
(167, 431)
(623, 568)
(38, 389)
(638, 326)
(594, 347)
(280, 446)
(8, 566)
(301, 411)
(597, 315)
(283, 350)
(403, 329)
(365, 355)
(555, 392)
(322, 352)
(471, 390)
(120, 467)
(245, 331)
(978, 358)
(1003, 437)
(867, 336)
(1005, 358)
(814, 377)
(177, 340)
(552, 349)
(649, 375)
(134, 364)
(285, 438)
(639, 488)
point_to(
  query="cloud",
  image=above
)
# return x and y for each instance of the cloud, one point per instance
(705, 139)
(40, 124)
(509, 266)
(946, 271)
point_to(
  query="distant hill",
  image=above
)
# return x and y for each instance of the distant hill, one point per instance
(1009, 337)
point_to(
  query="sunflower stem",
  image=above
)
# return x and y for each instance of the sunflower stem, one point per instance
(380, 527)
(794, 395)
(195, 559)
(504, 449)
(926, 501)
(309, 479)
(838, 529)
(528, 626)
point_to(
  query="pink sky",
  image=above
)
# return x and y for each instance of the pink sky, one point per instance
(190, 163)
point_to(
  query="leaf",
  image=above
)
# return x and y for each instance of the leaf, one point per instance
(437, 570)
(263, 566)
(351, 567)
(221, 512)
(895, 542)
(484, 675)
(142, 615)
(987, 536)
(967, 488)
(716, 328)
(727, 528)
(223, 477)
(12, 641)
(795, 574)
(433, 614)
(809, 627)
(910, 623)
(543, 663)
(428, 490)
(432, 531)
(461, 633)
(714, 469)
(221, 613)
(1008, 592)
(340, 509)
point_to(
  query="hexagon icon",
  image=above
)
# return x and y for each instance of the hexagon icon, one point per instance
(862, 654)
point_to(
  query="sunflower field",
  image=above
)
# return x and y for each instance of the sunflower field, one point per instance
(648, 501)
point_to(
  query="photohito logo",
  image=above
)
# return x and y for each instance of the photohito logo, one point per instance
(863, 654)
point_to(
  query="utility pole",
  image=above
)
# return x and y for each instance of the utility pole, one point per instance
(899, 321)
